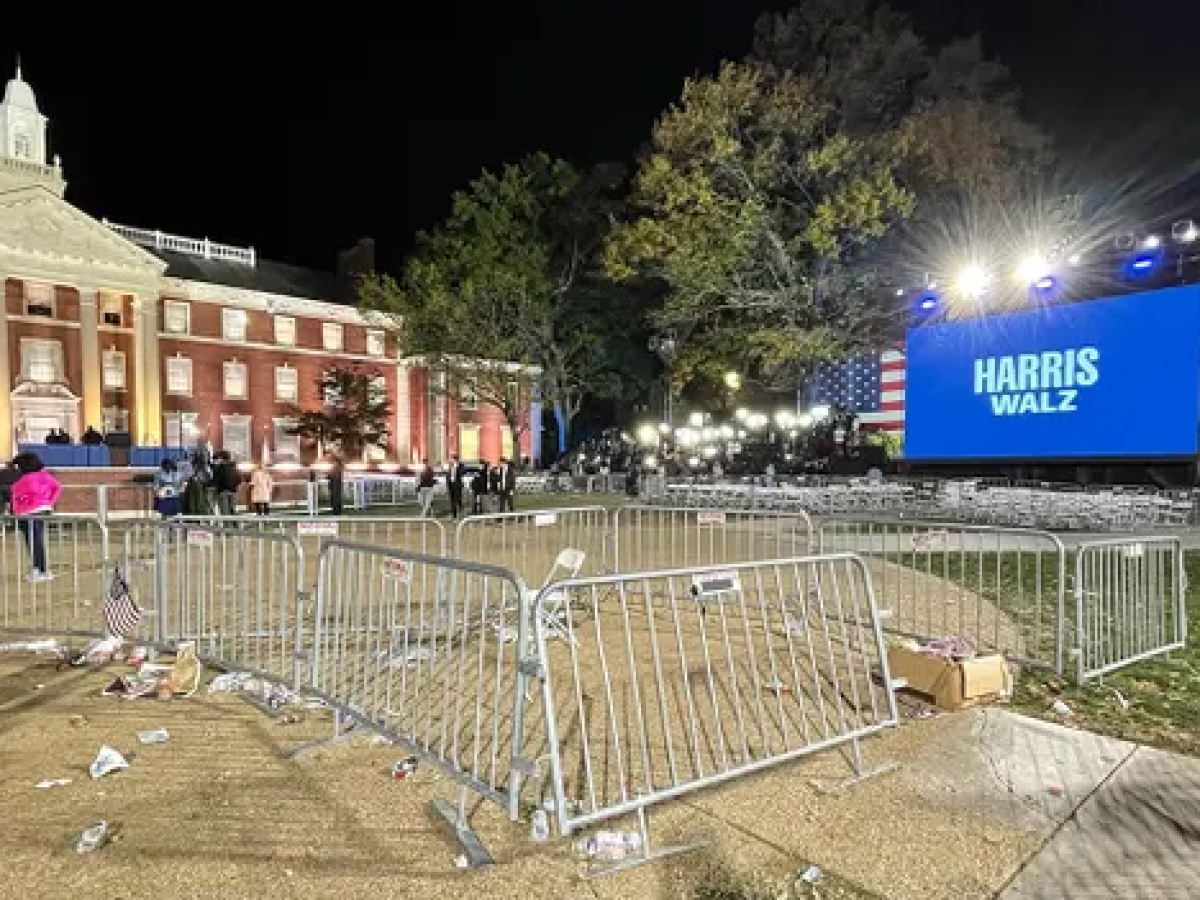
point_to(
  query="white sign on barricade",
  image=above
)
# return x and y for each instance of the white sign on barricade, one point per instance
(317, 529)
(196, 538)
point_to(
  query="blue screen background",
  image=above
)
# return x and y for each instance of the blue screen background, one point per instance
(1145, 403)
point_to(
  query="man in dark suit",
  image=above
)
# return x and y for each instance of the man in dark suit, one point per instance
(507, 485)
(456, 476)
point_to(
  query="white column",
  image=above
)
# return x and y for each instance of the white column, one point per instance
(147, 388)
(89, 355)
(403, 413)
(7, 434)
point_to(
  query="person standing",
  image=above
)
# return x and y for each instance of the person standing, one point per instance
(337, 487)
(455, 477)
(34, 494)
(426, 482)
(479, 488)
(506, 482)
(262, 485)
(226, 480)
(168, 490)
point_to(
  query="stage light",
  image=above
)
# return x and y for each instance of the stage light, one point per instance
(820, 413)
(1045, 285)
(1151, 242)
(1124, 241)
(648, 435)
(972, 281)
(742, 414)
(1033, 270)
(1143, 264)
(1075, 259)
(696, 420)
(927, 303)
(1184, 232)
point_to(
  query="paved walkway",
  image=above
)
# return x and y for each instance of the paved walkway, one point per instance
(1118, 820)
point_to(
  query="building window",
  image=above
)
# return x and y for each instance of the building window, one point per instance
(41, 361)
(181, 429)
(233, 324)
(177, 317)
(114, 370)
(235, 437)
(287, 385)
(115, 420)
(179, 375)
(467, 398)
(39, 299)
(111, 310)
(376, 345)
(468, 442)
(287, 446)
(378, 389)
(236, 386)
(285, 331)
(331, 336)
(506, 444)
(22, 146)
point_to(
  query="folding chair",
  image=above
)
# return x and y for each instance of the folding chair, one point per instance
(555, 619)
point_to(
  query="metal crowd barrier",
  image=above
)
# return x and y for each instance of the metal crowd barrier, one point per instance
(68, 601)
(1130, 597)
(662, 683)
(1002, 588)
(529, 543)
(654, 537)
(239, 594)
(425, 650)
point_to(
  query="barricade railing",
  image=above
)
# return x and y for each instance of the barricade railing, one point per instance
(239, 594)
(424, 650)
(1130, 598)
(655, 537)
(661, 683)
(530, 543)
(1004, 589)
(52, 574)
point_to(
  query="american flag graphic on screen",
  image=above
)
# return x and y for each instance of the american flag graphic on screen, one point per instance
(870, 385)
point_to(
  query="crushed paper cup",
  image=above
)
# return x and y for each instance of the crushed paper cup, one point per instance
(107, 760)
(53, 782)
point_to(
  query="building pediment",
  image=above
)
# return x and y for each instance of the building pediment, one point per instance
(44, 237)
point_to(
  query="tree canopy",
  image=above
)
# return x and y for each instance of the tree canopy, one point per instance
(355, 413)
(776, 192)
(512, 274)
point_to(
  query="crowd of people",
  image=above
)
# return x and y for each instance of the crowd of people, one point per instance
(492, 488)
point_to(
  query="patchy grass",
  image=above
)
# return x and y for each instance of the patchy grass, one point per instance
(524, 503)
(1156, 702)
(726, 884)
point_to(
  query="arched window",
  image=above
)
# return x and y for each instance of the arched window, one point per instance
(22, 146)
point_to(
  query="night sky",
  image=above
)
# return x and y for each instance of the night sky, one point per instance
(298, 140)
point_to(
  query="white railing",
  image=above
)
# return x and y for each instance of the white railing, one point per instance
(205, 248)
(28, 167)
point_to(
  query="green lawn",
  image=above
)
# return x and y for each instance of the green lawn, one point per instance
(1162, 696)
(524, 503)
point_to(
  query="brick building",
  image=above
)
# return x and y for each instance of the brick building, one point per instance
(174, 339)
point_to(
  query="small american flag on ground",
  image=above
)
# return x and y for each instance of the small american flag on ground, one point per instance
(870, 385)
(121, 614)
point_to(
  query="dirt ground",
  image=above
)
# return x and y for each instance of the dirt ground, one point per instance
(218, 812)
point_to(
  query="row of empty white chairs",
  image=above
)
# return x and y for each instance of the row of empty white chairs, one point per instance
(968, 501)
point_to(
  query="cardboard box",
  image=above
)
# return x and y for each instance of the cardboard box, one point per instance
(952, 685)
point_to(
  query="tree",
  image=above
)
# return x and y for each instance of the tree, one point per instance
(355, 414)
(775, 194)
(512, 276)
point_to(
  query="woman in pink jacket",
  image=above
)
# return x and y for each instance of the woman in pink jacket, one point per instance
(33, 497)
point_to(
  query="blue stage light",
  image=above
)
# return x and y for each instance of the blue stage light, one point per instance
(1046, 284)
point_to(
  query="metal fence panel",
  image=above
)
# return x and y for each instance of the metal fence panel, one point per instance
(655, 537)
(1130, 597)
(529, 543)
(660, 683)
(1004, 589)
(76, 552)
(425, 650)
(239, 594)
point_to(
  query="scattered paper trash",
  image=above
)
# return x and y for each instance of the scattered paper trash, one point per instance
(610, 845)
(1061, 709)
(107, 760)
(1056, 791)
(539, 826)
(775, 686)
(98, 652)
(53, 782)
(47, 646)
(811, 875)
(157, 736)
(93, 837)
(461, 861)
(404, 768)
